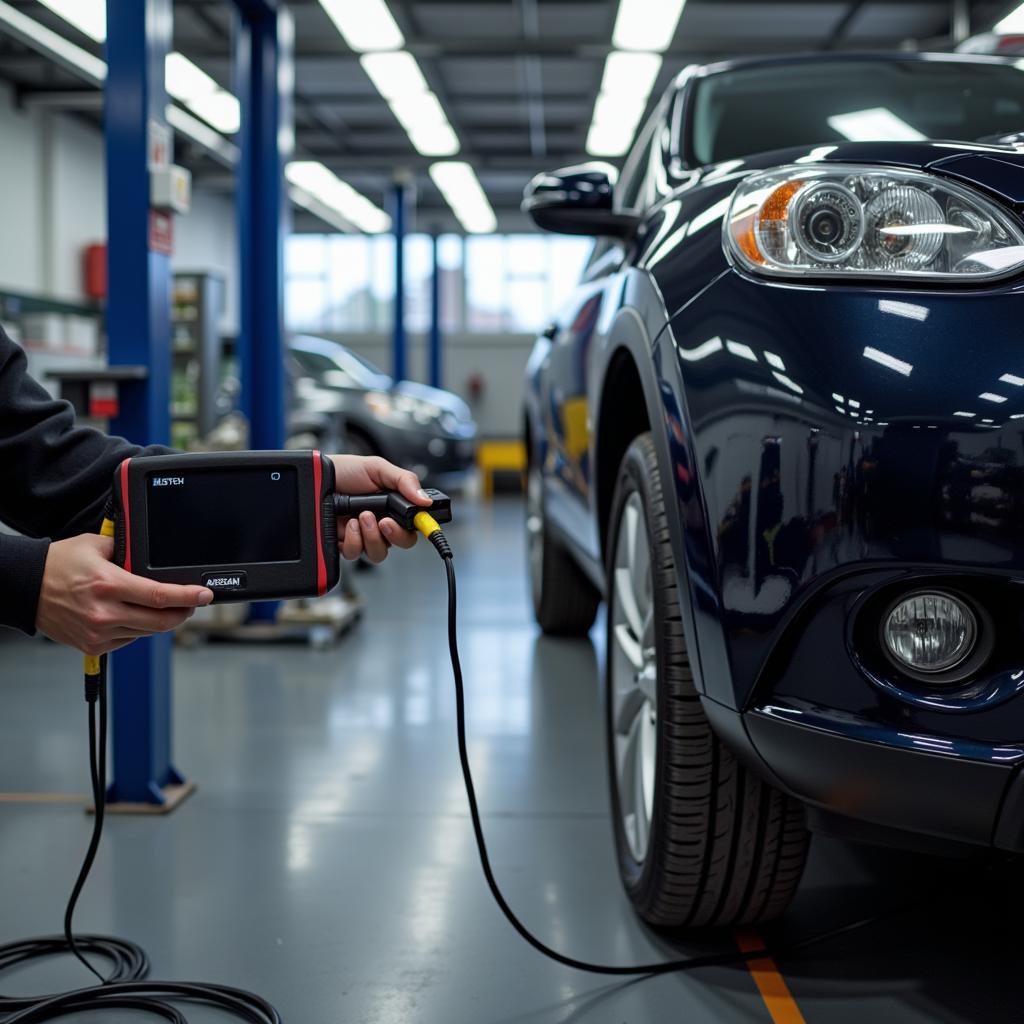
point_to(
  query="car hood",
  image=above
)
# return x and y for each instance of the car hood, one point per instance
(438, 396)
(996, 168)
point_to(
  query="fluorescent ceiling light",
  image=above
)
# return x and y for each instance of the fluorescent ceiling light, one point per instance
(1010, 378)
(838, 398)
(609, 139)
(202, 134)
(434, 140)
(326, 187)
(220, 109)
(646, 24)
(891, 362)
(614, 109)
(773, 360)
(201, 94)
(878, 124)
(457, 182)
(626, 84)
(630, 74)
(418, 111)
(1013, 22)
(184, 80)
(51, 44)
(88, 16)
(366, 25)
(990, 397)
(614, 123)
(394, 74)
(398, 78)
(966, 415)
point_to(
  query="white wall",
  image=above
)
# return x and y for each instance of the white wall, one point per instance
(498, 359)
(53, 204)
(21, 197)
(206, 239)
(74, 175)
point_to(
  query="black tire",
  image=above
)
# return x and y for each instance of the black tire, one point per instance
(565, 602)
(724, 848)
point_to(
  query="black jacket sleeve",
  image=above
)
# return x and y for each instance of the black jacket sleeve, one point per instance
(54, 481)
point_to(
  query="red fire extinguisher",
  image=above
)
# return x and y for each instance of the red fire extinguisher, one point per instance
(95, 271)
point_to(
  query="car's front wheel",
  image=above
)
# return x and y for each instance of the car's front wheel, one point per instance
(701, 840)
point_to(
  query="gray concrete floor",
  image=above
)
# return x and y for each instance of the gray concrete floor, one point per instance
(327, 860)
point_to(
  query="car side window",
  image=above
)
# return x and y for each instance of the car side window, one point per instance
(313, 362)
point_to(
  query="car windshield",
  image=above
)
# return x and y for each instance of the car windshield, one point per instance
(758, 109)
(334, 364)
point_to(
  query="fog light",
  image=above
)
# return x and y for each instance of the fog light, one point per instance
(930, 632)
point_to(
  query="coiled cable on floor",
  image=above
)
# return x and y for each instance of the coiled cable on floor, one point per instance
(125, 987)
(433, 533)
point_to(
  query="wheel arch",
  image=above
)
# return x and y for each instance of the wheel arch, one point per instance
(623, 417)
(620, 416)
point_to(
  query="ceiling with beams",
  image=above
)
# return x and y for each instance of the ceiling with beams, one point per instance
(517, 78)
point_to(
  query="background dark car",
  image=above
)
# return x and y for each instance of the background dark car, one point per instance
(778, 429)
(426, 429)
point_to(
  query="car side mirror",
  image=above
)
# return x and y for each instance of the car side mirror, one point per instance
(578, 201)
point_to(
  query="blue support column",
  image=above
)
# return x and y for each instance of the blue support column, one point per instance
(264, 77)
(139, 326)
(436, 368)
(399, 214)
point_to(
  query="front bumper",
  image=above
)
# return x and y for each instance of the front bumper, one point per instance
(430, 455)
(886, 778)
(848, 438)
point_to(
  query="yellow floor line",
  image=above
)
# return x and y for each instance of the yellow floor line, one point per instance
(774, 991)
(42, 798)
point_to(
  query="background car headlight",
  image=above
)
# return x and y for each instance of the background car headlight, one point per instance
(930, 632)
(403, 407)
(856, 221)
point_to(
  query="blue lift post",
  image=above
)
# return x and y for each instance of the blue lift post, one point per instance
(139, 35)
(264, 82)
(264, 76)
(139, 328)
(436, 368)
(399, 215)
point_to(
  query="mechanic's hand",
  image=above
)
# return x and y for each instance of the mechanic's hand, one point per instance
(357, 474)
(88, 602)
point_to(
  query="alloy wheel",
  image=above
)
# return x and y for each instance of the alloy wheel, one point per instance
(634, 677)
(535, 528)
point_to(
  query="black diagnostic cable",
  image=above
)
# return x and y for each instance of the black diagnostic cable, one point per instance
(430, 529)
(126, 987)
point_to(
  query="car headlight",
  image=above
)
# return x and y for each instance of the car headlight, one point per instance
(859, 221)
(402, 407)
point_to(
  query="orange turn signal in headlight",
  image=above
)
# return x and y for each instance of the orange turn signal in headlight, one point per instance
(776, 206)
(747, 225)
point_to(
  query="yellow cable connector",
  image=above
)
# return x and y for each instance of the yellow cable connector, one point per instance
(91, 664)
(426, 524)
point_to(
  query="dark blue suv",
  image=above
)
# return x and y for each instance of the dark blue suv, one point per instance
(779, 429)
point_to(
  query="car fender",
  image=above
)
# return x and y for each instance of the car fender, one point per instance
(652, 353)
